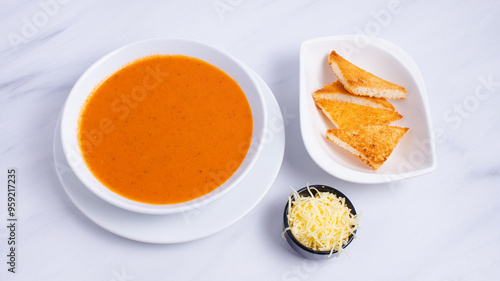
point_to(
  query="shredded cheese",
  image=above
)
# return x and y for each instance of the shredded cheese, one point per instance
(321, 222)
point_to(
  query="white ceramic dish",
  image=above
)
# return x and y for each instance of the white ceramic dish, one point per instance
(415, 154)
(189, 225)
(109, 64)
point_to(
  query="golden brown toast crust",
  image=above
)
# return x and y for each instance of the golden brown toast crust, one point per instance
(372, 144)
(336, 91)
(344, 114)
(360, 82)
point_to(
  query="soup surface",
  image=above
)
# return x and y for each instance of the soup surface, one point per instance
(165, 129)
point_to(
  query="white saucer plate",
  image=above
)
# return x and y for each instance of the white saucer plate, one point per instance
(197, 222)
(415, 154)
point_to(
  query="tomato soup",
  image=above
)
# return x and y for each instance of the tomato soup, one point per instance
(165, 129)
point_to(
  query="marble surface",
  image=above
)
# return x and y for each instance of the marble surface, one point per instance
(441, 226)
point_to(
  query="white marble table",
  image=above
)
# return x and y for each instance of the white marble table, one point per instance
(441, 226)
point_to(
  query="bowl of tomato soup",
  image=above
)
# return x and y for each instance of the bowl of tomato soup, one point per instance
(163, 126)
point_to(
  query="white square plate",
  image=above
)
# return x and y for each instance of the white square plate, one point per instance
(415, 154)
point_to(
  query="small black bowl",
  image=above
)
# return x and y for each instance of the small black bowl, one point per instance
(294, 243)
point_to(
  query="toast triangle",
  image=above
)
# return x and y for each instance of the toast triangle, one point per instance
(343, 114)
(336, 92)
(372, 144)
(360, 82)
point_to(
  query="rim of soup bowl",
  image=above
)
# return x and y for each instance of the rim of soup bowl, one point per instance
(115, 60)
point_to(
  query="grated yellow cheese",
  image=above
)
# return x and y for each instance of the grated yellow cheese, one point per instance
(321, 222)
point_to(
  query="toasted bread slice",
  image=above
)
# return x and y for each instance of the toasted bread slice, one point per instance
(343, 114)
(336, 92)
(372, 144)
(360, 82)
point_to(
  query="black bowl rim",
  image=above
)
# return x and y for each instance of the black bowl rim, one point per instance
(320, 188)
